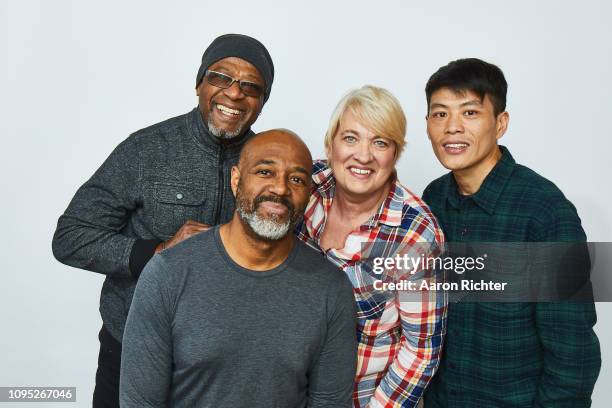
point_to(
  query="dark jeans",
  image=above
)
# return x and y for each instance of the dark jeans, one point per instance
(106, 393)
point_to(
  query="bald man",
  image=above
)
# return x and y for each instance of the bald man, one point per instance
(244, 315)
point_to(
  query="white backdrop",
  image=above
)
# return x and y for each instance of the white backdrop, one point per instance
(78, 76)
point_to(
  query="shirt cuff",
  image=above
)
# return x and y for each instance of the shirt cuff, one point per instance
(142, 251)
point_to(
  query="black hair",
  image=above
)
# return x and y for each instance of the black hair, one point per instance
(472, 75)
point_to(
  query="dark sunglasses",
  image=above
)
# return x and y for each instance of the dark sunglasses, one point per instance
(224, 81)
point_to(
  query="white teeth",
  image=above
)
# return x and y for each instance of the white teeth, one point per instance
(360, 171)
(225, 109)
(456, 145)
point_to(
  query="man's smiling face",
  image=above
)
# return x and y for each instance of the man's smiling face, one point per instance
(463, 129)
(272, 183)
(229, 112)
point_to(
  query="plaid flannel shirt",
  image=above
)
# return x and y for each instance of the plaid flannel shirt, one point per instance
(513, 355)
(399, 341)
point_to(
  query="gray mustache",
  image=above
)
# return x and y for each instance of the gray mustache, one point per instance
(278, 200)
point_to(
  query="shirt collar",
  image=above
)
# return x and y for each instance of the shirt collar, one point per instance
(493, 185)
(390, 211)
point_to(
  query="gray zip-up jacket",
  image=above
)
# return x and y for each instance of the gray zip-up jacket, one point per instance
(154, 181)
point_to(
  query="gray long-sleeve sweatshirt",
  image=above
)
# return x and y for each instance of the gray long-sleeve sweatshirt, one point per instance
(205, 332)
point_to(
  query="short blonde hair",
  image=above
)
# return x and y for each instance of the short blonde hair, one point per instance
(377, 110)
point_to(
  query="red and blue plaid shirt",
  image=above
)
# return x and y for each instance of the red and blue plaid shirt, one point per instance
(399, 341)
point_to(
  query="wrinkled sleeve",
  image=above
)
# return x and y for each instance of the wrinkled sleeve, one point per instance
(88, 234)
(423, 327)
(332, 375)
(571, 352)
(146, 357)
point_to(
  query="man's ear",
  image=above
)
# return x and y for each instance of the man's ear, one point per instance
(235, 179)
(501, 124)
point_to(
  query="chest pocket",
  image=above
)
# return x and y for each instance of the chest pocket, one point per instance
(176, 203)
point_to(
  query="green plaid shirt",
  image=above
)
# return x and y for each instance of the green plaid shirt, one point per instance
(513, 354)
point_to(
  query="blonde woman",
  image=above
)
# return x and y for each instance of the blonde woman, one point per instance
(359, 210)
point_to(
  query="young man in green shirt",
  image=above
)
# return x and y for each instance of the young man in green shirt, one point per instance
(518, 354)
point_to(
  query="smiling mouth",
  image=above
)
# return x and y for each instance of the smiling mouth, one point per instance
(227, 110)
(360, 172)
(274, 208)
(455, 148)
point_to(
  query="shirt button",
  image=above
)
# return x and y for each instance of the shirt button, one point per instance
(179, 196)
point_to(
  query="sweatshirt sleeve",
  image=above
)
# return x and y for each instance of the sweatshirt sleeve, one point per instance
(333, 373)
(146, 357)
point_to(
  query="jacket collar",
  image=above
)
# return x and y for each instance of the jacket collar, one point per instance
(199, 131)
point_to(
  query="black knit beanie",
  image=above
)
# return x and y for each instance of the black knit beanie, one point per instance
(241, 46)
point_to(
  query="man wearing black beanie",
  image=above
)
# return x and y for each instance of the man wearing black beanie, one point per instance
(161, 185)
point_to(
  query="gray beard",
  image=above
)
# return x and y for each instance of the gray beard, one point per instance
(222, 133)
(266, 228)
